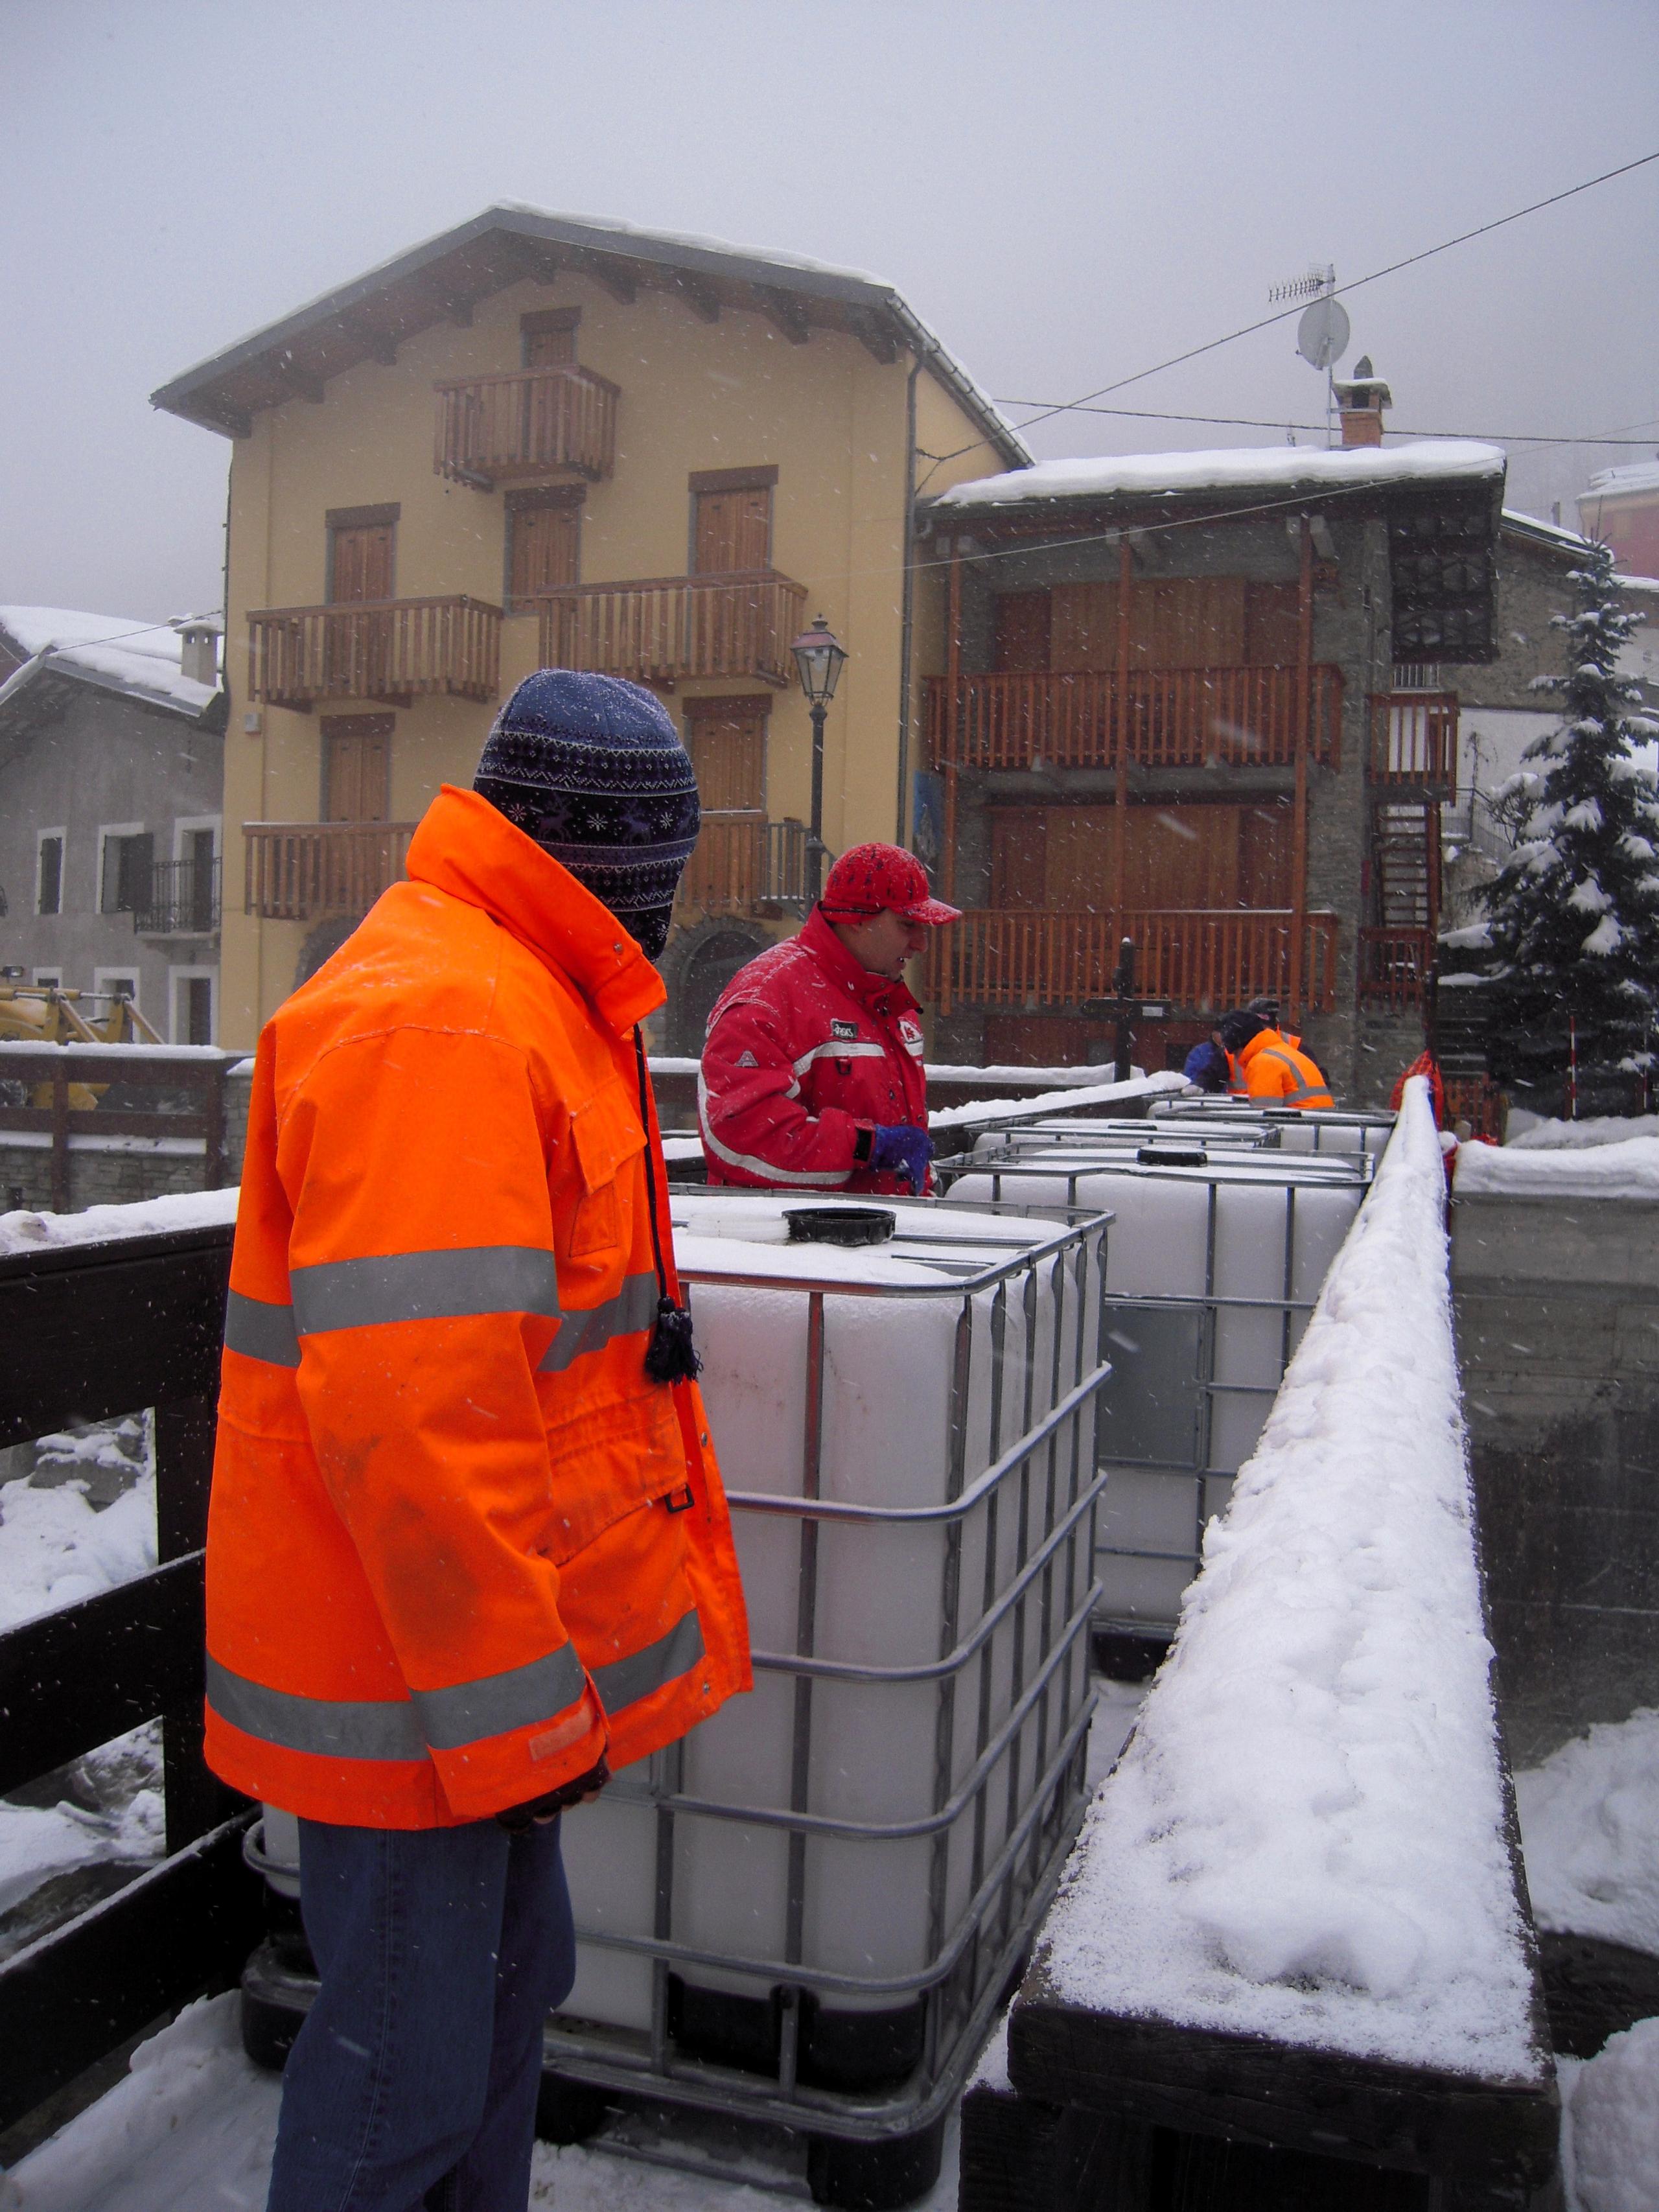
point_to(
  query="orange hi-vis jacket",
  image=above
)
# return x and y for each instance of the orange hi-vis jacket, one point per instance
(1279, 1073)
(458, 1544)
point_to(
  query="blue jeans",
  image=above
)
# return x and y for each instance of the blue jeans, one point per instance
(413, 2082)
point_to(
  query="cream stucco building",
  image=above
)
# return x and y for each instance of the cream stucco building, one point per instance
(536, 440)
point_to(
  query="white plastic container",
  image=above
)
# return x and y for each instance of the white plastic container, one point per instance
(1211, 1271)
(930, 1358)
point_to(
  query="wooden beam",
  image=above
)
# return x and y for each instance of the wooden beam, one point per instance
(534, 259)
(235, 421)
(615, 277)
(873, 334)
(301, 381)
(784, 310)
(381, 345)
(1303, 718)
(700, 297)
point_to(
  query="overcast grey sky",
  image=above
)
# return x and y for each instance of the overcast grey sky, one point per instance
(1068, 193)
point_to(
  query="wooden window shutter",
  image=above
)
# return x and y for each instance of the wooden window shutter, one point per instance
(549, 337)
(360, 562)
(543, 544)
(357, 766)
(727, 740)
(731, 520)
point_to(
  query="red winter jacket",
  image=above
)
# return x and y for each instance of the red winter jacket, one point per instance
(804, 1049)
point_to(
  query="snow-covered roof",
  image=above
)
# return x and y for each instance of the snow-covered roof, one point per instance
(143, 660)
(511, 241)
(1553, 533)
(1233, 469)
(1614, 483)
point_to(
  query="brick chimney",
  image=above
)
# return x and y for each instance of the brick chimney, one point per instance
(199, 651)
(1360, 400)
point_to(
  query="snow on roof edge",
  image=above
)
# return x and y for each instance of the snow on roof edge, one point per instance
(1229, 468)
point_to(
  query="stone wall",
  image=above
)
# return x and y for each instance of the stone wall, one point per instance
(1557, 1320)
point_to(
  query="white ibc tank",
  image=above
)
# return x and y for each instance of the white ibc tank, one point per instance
(931, 1356)
(1227, 1258)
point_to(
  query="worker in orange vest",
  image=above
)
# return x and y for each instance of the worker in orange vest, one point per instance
(467, 1546)
(1268, 1068)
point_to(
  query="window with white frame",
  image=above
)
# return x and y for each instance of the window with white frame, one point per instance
(126, 868)
(192, 891)
(48, 979)
(49, 872)
(194, 993)
(115, 983)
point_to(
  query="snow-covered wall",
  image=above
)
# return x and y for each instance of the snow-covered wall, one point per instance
(1305, 1838)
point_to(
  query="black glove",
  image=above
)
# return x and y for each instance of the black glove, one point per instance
(518, 1820)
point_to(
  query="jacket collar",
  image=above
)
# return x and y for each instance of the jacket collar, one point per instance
(882, 994)
(467, 848)
(1260, 1042)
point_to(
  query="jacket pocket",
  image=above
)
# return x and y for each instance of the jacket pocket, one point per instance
(607, 1463)
(607, 1135)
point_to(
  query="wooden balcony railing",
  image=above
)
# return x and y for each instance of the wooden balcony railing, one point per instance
(1414, 742)
(525, 426)
(1394, 966)
(660, 628)
(744, 864)
(391, 651)
(1174, 718)
(1199, 960)
(298, 870)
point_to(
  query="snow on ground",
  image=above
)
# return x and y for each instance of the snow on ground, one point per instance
(1530, 1133)
(1624, 1169)
(1589, 1823)
(1305, 1839)
(55, 1546)
(1610, 2123)
(193, 2125)
(123, 1825)
(25, 1231)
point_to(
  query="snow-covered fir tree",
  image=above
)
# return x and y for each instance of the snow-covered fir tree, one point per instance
(1574, 916)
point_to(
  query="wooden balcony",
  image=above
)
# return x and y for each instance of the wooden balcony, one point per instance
(390, 651)
(744, 864)
(1173, 717)
(527, 426)
(661, 629)
(1414, 743)
(302, 871)
(1197, 961)
(1395, 965)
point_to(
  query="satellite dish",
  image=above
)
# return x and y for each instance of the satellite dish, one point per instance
(1322, 334)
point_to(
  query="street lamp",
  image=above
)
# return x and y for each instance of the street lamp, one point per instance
(818, 657)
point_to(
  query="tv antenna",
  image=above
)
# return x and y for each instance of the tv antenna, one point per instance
(1322, 330)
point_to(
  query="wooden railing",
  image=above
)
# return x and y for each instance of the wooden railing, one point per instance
(92, 1331)
(1414, 741)
(526, 425)
(1393, 964)
(744, 864)
(297, 871)
(1174, 717)
(67, 1093)
(389, 650)
(657, 630)
(1200, 960)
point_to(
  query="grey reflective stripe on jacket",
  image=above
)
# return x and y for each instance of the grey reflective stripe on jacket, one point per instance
(625, 1681)
(436, 1720)
(449, 1719)
(393, 1287)
(632, 1309)
(1302, 1090)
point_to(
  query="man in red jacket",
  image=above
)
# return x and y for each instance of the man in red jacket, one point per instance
(812, 1076)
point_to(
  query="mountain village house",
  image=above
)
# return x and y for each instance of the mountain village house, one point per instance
(536, 441)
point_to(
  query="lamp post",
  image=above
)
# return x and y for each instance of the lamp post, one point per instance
(818, 658)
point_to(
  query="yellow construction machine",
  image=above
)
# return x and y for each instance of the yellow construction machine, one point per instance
(42, 1014)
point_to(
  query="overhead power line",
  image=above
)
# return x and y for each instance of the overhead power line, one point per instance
(1247, 329)
(1256, 423)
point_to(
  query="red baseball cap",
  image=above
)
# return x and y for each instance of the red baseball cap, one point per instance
(870, 876)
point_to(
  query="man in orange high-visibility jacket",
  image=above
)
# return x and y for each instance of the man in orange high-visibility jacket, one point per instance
(465, 1551)
(1271, 1069)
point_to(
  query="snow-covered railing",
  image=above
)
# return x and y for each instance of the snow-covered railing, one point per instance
(1295, 1912)
(103, 1314)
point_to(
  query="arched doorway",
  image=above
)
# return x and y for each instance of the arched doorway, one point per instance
(698, 966)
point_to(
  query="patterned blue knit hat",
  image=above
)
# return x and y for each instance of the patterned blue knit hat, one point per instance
(593, 769)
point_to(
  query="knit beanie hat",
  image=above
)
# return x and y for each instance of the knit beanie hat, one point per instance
(593, 769)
